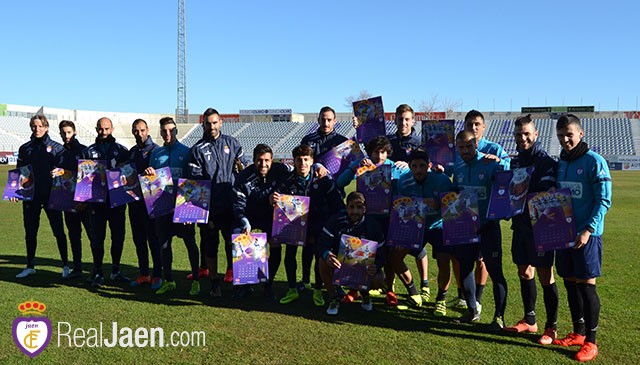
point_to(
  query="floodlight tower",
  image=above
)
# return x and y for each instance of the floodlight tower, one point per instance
(182, 113)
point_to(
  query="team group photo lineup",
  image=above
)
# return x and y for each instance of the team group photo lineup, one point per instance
(357, 218)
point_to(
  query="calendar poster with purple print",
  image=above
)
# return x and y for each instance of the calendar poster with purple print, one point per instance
(438, 140)
(158, 192)
(370, 114)
(290, 218)
(338, 159)
(376, 186)
(124, 186)
(62, 188)
(20, 184)
(91, 183)
(509, 193)
(355, 254)
(406, 224)
(551, 215)
(250, 258)
(460, 217)
(192, 201)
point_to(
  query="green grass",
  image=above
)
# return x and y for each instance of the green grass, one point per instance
(254, 332)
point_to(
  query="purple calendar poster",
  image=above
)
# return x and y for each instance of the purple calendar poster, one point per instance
(91, 183)
(406, 224)
(551, 215)
(62, 188)
(290, 218)
(355, 255)
(376, 186)
(337, 159)
(509, 193)
(20, 184)
(250, 259)
(460, 217)
(192, 201)
(370, 114)
(158, 192)
(437, 139)
(124, 186)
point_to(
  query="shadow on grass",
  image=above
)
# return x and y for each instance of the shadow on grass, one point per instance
(411, 319)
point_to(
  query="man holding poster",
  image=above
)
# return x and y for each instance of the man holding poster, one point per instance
(475, 123)
(74, 221)
(405, 139)
(523, 252)
(41, 152)
(106, 148)
(378, 149)
(421, 182)
(174, 155)
(253, 207)
(142, 227)
(325, 201)
(213, 158)
(587, 175)
(325, 138)
(352, 222)
(403, 142)
(474, 172)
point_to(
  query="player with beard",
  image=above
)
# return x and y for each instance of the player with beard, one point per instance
(74, 221)
(523, 252)
(352, 222)
(253, 207)
(143, 227)
(213, 158)
(473, 172)
(106, 148)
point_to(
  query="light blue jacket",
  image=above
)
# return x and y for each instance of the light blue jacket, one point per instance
(431, 187)
(348, 175)
(175, 156)
(477, 175)
(589, 180)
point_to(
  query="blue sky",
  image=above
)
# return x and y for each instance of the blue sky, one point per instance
(121, 55)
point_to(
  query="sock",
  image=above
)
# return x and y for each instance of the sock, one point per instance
(576, 307)
(411, 289)
(460, 293)
(468, 285)
(479, 291)
(591, 309)
(425, 283)
(442, 295)
(529, 293)
(550, 294)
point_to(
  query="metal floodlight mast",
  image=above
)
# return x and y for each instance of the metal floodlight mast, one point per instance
(182, 113)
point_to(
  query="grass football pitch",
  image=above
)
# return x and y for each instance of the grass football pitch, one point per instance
(270, 333)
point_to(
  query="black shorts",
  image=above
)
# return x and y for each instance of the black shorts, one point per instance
(523, 251)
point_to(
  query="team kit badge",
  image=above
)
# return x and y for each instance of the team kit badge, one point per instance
(32, 330)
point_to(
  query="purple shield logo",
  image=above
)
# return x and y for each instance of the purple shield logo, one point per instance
(31, 334)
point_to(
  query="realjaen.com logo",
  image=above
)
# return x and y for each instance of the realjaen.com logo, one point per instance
(32, 331)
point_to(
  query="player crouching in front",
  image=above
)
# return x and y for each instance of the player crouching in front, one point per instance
(352, 222)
